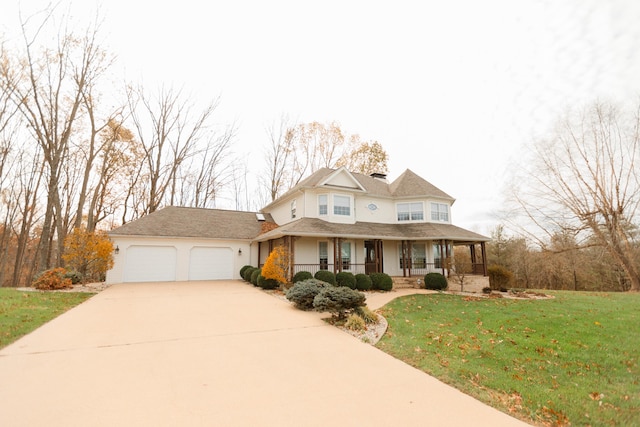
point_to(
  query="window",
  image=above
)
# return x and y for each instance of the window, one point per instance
(323, 255)
(346, 255)
(418, 256)
(439, 212)
(322, 204)
(410, 211)
(341, 205)
(293, 208)
(437, 255)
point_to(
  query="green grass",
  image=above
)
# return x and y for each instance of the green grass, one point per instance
(23, 312)
(571, 360)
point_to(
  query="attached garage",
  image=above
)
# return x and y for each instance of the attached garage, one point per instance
(184, 244)
(150, 264)
(210, 263)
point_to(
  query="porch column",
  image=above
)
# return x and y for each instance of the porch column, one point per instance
(409, 261)
(472, 249)
(403, 249)
(259, 252)
(484, 257)
(443, 257)
(336, 248)
(379, 257)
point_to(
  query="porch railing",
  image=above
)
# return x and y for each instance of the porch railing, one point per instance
(433, 267)
(313, 268)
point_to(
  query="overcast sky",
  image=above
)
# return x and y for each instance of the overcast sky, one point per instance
(453, 90)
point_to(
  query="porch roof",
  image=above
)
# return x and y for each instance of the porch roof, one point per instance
(314, 227)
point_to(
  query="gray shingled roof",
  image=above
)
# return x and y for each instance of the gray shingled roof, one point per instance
(408, 184)
(174, 221)
(367, 230)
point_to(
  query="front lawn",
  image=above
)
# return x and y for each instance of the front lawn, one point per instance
(571, 360)
(23, 312)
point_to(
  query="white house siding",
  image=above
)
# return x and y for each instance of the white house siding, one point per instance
(131, 249)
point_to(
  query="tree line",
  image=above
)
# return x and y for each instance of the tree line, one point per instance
(78, 152)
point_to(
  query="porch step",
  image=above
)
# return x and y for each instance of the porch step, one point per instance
(406, 282)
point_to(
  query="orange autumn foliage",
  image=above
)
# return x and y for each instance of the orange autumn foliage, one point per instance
(277, 265)
(89, 253)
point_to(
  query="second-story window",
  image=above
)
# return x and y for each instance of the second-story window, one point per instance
(341, 205)
(293, 208)
(322, 204)
(410, 211)
(439, 212)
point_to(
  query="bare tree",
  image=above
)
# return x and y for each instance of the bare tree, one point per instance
(169, 132)
(48, 86)
(585, 180)
(296, 151)
(280, 154)
(365, 157)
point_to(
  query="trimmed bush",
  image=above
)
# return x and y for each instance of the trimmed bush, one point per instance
(325, 276)
(243, 269)
(435, 281)
(346, 278)
(381, 281)
(247, 274)
(499, 277)
(363, 282)
(302, 275)
(302, 293)
(265, 283)
(254, 276)
(339, 301)
(52, 280)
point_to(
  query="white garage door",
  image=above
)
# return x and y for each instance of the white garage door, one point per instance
(150, 264)
(210, 263)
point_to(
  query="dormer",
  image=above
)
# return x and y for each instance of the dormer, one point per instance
(342, 179)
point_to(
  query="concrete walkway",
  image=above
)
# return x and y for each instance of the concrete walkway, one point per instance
(214, 354)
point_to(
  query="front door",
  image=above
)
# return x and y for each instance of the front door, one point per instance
(373, 256)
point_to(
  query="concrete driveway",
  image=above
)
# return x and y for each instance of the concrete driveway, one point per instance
(214, 354)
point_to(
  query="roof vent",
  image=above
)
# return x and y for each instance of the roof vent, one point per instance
(260, 217)
(381, 176)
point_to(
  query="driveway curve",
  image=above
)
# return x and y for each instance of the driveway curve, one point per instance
(217, 353)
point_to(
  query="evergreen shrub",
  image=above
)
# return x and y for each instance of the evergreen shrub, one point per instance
(325, 276)
(243, 269)
(435, 281)
(346, 278)
(302, 275)
(302, 293)
(363, 282)
(381, 281)
(339, 301)
(265, 283)
(246, 275)
(254, 276)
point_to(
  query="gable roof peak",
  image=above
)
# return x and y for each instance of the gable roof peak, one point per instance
(410, 184)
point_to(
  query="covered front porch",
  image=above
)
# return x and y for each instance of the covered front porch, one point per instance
(367, 248)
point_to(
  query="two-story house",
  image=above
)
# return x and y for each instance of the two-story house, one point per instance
(342, 221)
(333, 220)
